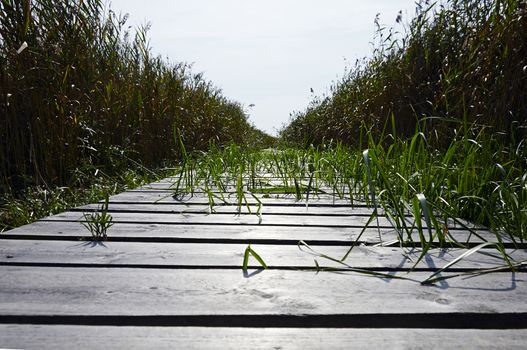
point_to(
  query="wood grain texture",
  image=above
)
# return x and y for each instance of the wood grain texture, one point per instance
(262, 220)
(232, 209)
(231, 255)
(227, 233)
(166, 196)
(133, 292)
(263, 186)
(78, 337)
(229, 219)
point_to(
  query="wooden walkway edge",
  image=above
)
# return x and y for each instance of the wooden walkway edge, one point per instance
(170, 276)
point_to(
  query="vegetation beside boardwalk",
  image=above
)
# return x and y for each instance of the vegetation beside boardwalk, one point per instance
(442, 110)
(83, 98)
(83, 92)
(466, 60)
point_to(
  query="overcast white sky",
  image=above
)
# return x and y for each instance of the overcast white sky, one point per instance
(267, 53)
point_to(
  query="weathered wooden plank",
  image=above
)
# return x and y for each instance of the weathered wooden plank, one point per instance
(322, 191)
(258, 183)
(228, 233)
(231, 197)
(280, 201)
(127, 337)
(262, 178)
(231, 209)
(260, 175)
(231, 255)
(166, 196)
(231, 219)
(192, 218)
(325, 193)
(258, 178)
(157, 292)
(265, 183)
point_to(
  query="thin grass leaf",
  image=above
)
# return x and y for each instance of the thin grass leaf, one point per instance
(347, 266)
(458, 259)
(250, 251)
(258, 258)
(425, 245)
(21, 48)
(354, 243)
(475, 273)
(246, 258)
(422, 201)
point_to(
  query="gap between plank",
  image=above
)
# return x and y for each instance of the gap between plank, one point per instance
(410, 320)
(189, 223)
(309, 268)
(234, 212)
(347, 243)
(267, 204)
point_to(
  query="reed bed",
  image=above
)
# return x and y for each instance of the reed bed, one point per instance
(456, 60)
(87, 109)
(77, 90)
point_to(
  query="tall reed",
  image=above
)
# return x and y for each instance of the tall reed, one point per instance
(84, 92)
(461, 60)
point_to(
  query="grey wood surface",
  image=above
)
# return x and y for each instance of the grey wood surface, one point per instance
(166, 196)
(79, 337)
(91, 337)
(231, 255)
(181, 292)
(170, 275)
(232, 209)
(274, 186)
(229, 219)
(56, 229)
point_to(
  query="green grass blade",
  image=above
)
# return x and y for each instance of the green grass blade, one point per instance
(458, 259)
(258, 258)
(246, 258)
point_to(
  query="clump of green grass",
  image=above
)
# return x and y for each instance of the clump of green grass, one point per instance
(237, 175)
(99, 222)
(410, 176)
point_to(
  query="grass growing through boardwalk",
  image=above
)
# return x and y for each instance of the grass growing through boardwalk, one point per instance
(419, 189)
(479, 179)
(76, 94)
(249, 251)
(99, 222)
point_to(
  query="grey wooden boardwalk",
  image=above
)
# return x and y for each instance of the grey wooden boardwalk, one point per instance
(169, 276)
